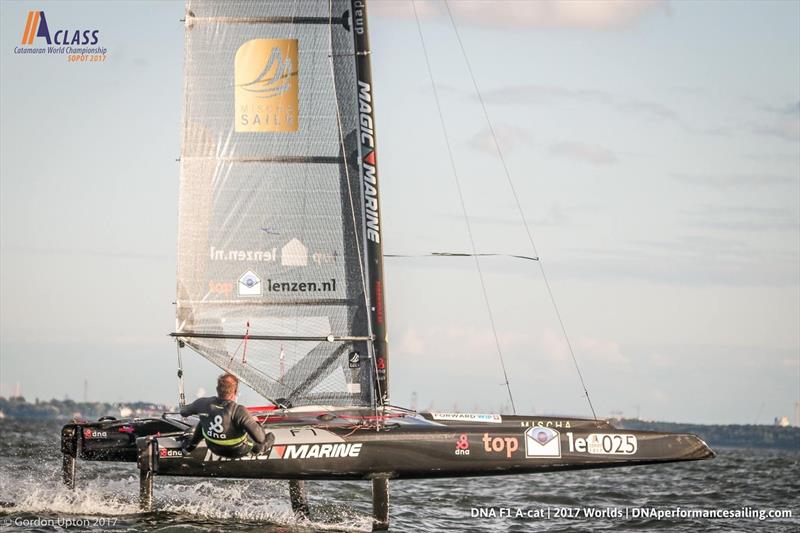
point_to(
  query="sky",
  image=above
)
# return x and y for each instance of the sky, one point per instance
(654, 147)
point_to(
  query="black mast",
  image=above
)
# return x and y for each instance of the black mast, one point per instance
(369, 179)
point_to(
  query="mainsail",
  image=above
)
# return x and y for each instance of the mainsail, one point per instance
(278, 257)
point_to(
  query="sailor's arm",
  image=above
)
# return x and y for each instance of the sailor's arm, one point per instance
(189, 410)
(245, 420)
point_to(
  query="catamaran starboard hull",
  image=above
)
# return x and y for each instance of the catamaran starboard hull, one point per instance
(457, 450)
(350, 445)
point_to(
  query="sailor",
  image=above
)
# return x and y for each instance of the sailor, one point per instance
(228, 429)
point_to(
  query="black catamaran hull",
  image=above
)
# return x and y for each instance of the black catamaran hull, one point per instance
(406, 447)
(356, 444)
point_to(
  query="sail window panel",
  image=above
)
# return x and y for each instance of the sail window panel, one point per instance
(305, 373)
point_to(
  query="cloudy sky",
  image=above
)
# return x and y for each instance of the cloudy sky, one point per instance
(655, 148)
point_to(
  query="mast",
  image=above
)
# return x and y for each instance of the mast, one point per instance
(369, 175)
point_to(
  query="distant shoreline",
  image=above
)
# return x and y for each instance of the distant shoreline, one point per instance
(725, 435)
(17, 408)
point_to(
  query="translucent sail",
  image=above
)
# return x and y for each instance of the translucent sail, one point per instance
(271, 270)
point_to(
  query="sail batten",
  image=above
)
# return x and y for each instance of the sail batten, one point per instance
(271, 217)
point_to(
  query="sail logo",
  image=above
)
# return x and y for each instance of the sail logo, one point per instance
(316, 451)
(301, 286)
(249, 285)
(259, 256)
(266, 86)
(294, 253)
(220, 287)
(542, 442)
(368, 164)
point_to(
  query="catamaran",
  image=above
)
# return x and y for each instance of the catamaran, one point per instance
(280, 278)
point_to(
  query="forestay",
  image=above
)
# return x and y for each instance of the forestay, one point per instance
(271, 269)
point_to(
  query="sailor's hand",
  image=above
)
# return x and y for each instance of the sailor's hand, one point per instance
(187, 447)
(257, 449)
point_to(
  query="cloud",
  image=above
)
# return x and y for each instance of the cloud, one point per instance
(689, 260)
(587, 153)
(602, 350)
(605, 351)
(786, 128)
(547, 95)
(783, 122)
(652, 110)
(556, 215)
(544, 94)
(472, 342)
(728, 181)
(412, 343)
(508, 137)
(594, 15)
(744, 218)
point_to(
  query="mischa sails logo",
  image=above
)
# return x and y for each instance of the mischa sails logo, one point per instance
(266, 86)
(78, 45)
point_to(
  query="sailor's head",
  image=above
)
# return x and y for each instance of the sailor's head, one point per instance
(227, 387)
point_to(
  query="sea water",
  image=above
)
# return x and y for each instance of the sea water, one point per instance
(744, 485)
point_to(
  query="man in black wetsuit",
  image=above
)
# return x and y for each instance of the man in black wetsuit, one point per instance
(229, 430)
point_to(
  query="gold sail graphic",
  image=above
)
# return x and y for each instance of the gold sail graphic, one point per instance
(266, 85)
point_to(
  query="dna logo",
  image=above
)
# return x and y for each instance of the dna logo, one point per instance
(216, 427)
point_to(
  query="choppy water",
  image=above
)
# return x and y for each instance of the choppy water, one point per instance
(107, 493)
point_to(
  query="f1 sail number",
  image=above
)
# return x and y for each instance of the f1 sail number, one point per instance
(603, 444)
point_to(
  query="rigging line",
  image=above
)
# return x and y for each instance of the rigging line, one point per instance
(463, 254)
(362, 256)
(519, 208)
(464, 208)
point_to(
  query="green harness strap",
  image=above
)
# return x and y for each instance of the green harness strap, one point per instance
(227, 442)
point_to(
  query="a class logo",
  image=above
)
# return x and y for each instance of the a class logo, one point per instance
(78, 44)
(266, 86)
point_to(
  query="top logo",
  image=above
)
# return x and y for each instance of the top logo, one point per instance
(266, 86)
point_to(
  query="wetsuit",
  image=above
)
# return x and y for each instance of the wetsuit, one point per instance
(229, 430)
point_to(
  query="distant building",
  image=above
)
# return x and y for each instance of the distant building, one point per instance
(782, 421)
